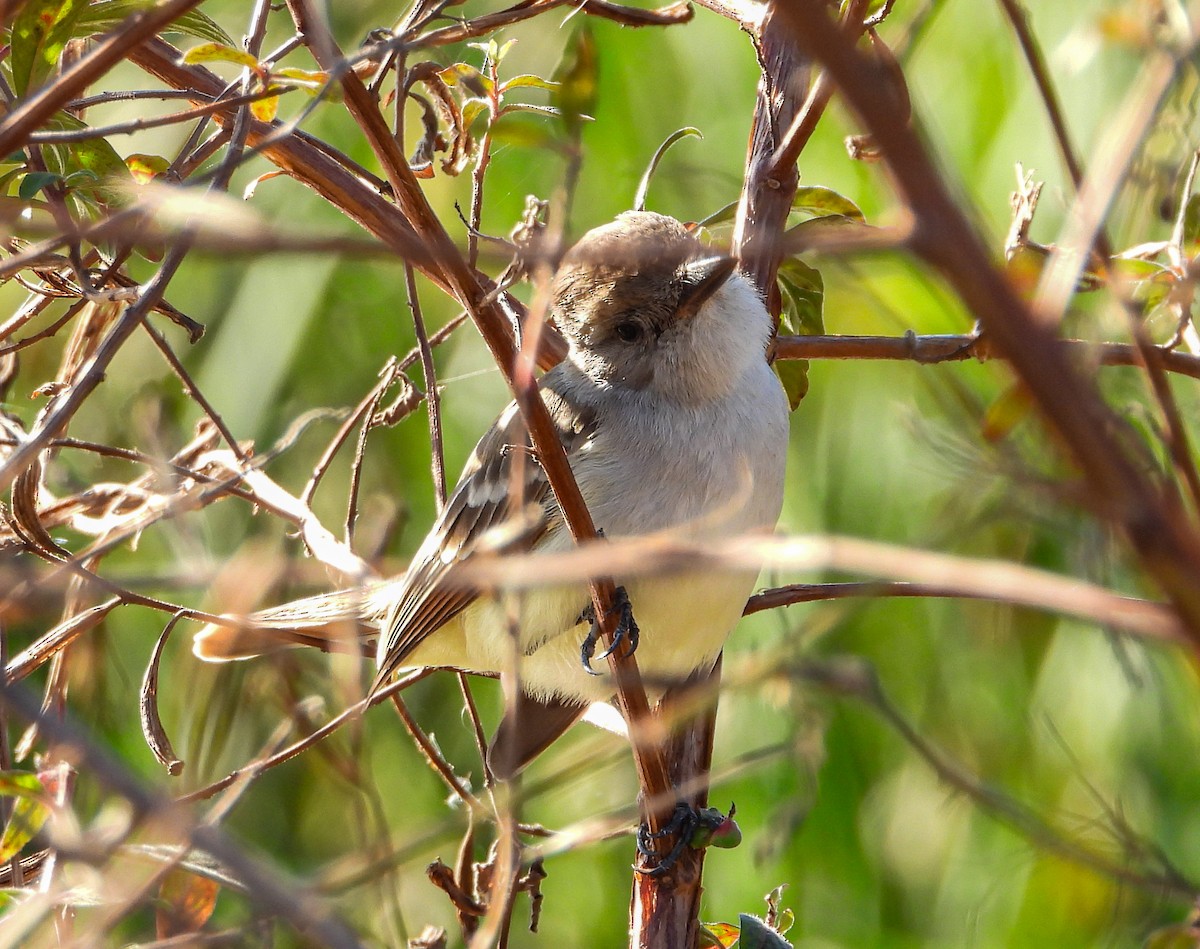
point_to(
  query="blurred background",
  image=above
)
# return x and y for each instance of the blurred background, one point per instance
(1091, 731)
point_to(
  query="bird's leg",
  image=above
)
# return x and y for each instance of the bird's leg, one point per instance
(626, 631)
(682, 822)
(695, 827)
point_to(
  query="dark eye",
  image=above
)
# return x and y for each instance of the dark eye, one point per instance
(628, 331)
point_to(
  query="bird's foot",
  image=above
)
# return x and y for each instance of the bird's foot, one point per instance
(694, 827)
(626, 631)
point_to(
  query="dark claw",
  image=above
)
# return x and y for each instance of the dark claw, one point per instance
(694, 827)
(626, 632)
(588, 647)
(683, 821)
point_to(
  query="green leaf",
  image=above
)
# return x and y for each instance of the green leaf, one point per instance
(793, 376)
(528, 81)
(35, 181)
(824, 202)
(102, 16)
(471, 110)
(496, 56)
(758, 935)
(220, 52)
(522, 132)
(723, 216)
(468, 77)
(8, 178)
(94, 155)
(639, 199)
(803, 293)
(39, 33)
(29, 812)
(578, 79)
(1191, 220)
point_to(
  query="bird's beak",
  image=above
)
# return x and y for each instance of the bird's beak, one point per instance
(702, 278)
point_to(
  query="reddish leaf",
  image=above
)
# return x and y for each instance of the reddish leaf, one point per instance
(186, 903)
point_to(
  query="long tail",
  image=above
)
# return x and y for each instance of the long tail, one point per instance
(343, 621)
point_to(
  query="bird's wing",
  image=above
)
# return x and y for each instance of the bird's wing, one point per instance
(483, 500)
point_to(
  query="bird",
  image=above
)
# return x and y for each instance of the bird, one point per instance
(672, 421)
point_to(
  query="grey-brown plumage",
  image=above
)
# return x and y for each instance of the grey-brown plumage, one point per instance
(671, 420)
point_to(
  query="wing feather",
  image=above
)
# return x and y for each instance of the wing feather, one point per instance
(482, 501)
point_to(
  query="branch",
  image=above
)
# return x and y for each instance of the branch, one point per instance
(956, 348)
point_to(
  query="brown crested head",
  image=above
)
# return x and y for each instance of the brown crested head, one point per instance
(627, 285)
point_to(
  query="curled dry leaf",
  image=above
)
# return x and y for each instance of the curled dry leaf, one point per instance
(152, 726)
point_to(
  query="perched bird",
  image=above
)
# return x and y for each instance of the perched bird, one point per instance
(671, 419)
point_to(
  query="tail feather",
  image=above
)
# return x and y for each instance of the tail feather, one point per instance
(343, 621)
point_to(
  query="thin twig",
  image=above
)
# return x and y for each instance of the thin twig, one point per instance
(433, 399)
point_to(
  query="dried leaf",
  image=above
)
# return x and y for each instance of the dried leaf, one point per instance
(186, 902)
(57, 639)
(152, 726)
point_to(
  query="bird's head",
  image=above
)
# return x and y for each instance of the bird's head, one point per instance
(646, 306)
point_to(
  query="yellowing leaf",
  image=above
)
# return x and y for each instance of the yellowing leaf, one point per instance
(39, 33)
(528, 81)
(265, 110)
(219, 52)
(723, 935)
(1011, 407)
(145, 167)
(312, 81)
(29, 812)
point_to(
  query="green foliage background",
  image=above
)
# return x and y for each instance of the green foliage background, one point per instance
(1091, 730)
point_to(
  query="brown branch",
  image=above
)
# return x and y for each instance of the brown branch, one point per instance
(675, 13)
(300, 156)
(68, 136)
(767, 191)
(956, 348)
